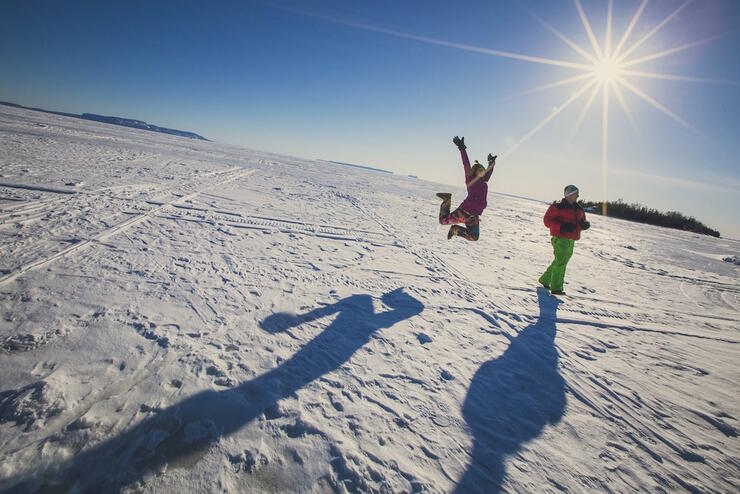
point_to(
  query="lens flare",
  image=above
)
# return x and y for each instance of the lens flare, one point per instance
(609, 71)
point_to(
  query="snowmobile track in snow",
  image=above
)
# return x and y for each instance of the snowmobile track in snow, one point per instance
(620, 303)
(233, 174)
(264, 223)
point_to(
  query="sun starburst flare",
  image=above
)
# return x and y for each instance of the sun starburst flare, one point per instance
(609, 72)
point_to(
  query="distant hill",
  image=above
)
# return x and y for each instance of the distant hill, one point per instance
(125, 122)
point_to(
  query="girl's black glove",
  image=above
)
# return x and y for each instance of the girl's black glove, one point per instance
(585, 225)
(567, 227)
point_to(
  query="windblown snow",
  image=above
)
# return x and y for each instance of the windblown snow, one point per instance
(187, 316)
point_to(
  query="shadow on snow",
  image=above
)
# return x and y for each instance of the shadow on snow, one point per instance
(184, 432)
(512, 398)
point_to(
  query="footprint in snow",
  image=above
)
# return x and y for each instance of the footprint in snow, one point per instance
(423, 338)
(585, 355)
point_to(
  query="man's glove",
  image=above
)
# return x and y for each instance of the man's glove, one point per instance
(459, 142)
(585, 225)
(567, 227)
(492, 159)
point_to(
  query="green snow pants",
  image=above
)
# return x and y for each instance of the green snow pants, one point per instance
(555, 274)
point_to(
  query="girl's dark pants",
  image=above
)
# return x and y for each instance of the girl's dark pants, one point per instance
(470, 231)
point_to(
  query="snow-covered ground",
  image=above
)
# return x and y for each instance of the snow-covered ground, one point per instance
(185, 316)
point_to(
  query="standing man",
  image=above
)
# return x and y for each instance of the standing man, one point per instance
(565, 219)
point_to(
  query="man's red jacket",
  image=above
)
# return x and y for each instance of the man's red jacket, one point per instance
(563, 212)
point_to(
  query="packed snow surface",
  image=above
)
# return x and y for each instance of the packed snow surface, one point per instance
(186, 316)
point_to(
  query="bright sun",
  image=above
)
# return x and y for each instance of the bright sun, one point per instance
(607, 69)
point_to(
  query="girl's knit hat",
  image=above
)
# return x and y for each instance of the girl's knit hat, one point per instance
(570, 190)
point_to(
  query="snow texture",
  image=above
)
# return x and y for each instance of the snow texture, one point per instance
(186, 316)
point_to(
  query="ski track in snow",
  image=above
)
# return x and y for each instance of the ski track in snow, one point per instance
(188, 316)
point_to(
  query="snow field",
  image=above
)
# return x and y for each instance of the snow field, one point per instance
(188, 316)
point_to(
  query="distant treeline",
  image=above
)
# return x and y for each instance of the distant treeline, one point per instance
(641, 214)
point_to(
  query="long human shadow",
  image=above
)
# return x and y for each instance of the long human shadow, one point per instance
(182, 434)
(512, 398)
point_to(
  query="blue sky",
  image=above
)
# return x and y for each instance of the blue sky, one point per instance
(388, 83)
